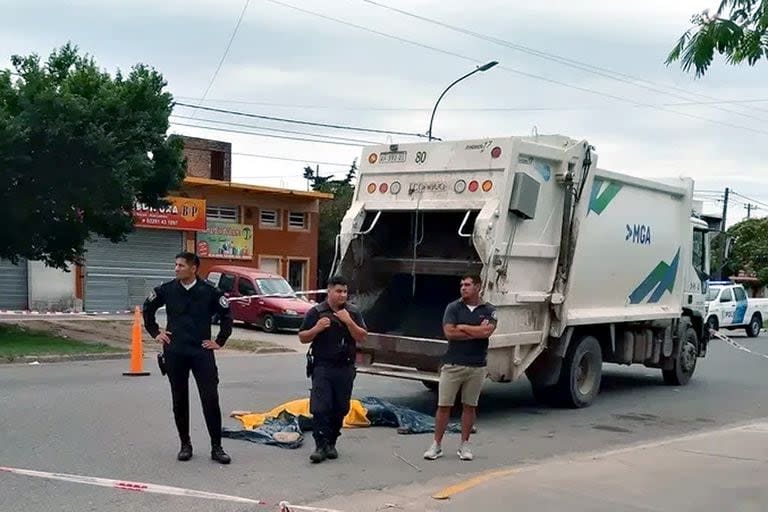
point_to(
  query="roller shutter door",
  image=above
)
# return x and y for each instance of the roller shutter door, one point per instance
(120, 276)
(14, 291)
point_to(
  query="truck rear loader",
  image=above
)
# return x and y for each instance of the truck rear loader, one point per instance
(585, 266)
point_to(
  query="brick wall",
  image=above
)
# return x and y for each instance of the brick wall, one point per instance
(198, 153)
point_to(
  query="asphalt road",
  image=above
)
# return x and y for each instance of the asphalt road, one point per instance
(87, 419)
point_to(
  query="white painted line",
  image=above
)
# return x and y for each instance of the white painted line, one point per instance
(131, 486)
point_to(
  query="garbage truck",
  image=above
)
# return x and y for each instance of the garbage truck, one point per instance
(585, 266)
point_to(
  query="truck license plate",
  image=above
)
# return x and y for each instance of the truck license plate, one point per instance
(394, 157)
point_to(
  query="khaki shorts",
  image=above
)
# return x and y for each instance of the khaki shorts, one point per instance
(467, 378)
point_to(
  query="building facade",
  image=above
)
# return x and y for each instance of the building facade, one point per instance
(273, 229)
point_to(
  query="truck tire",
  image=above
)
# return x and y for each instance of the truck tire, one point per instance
(755, 326)
(581, 374)
(712, 323)
(685, 364)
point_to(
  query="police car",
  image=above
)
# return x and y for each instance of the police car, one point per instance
(728, 307)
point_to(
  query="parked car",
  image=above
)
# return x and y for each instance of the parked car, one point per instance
(278, 308)
(728, 307)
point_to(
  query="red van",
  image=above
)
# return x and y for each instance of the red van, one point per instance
(279, 309)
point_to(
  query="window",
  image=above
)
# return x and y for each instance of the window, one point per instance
(740, 294)
(275, 286)
(269, 218)
(297, 220)
(712, 293)
(270, 265)
(699, 256)
(217, 165)
(227, 283)
(222, 213)
(213, 278)
(297, 270)
(245, 287)
(727, 296)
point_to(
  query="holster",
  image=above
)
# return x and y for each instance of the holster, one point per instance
(161, 363)
(310, 363)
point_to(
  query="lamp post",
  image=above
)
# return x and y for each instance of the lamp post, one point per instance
(483, 68)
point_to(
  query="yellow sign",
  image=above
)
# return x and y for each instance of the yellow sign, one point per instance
(226, 240)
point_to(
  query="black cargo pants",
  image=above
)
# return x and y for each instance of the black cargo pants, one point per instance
(329, 400)
(203, 366)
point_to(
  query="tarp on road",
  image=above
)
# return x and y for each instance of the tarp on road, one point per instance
(285, 424)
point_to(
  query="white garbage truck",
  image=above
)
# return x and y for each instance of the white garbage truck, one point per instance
(585, 266)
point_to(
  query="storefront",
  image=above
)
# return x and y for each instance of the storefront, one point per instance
(120, 276)
(14, 285)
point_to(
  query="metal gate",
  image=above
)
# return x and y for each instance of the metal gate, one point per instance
(14, 289)
(120, 276)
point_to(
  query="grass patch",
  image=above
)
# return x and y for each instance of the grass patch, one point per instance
(256, 346)
(15, 341)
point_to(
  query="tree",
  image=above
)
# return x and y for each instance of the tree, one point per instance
(741, 36)
(750, 248)
(77, 149)
(331, 212)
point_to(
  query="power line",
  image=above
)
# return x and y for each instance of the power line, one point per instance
(298, 121)
(464, 109)
(513, 70)
(278, 130)
(242, 132)
(607, 73)
(275, 157)
(226, 52)
(749, 199)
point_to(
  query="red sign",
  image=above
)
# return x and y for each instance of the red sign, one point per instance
(183, 214)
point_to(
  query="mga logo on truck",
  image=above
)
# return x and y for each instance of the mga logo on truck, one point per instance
(638, 234)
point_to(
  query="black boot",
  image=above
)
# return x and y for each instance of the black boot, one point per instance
(185, 453)
(218, 454)
(320, 453)
(331, 452)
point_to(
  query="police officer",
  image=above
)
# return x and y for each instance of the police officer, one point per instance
(190, 302)
(333, 328)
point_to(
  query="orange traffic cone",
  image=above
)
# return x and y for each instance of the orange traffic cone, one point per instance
(137, 358)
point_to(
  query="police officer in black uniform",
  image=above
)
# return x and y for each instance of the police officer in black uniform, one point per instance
(334, 328)
(190, 302)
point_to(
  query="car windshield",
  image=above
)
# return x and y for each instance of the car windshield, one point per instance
(712, 293)
(275, 286)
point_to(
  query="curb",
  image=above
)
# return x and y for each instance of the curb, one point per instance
(66, 358)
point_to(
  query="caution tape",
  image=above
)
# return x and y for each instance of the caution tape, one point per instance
(275, 295)
(131, 486)
(287, 507)
(28, 312)
(738, 346)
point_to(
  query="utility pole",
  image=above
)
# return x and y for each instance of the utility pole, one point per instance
(749, 208)
(725, 208)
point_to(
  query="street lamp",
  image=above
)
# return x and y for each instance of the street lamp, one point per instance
(484, 67)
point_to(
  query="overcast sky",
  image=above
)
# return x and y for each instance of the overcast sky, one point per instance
(297, 65)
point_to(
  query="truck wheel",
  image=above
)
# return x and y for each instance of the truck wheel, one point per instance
(685, 364)
(755, 326)
(430, 385)
(269, 324)
(582, 371)
(712, 323)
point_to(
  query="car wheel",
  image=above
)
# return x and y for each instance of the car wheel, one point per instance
(269, 324)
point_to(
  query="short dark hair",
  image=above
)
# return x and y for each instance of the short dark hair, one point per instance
(190, 257)
(474, 277)
(337, 281)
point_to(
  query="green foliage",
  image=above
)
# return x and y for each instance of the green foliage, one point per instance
(77, 148)
(750, 249)
(331, 212)
(741, 36)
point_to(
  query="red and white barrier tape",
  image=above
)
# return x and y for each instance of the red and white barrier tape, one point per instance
(275, 295)
(738, 346)
(131, 486)
(26, 312)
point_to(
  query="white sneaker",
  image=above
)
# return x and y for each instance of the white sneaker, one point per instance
(464, 452)
(434, 452)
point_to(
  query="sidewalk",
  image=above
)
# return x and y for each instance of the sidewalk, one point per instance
(723, 470)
